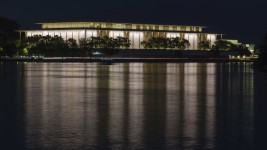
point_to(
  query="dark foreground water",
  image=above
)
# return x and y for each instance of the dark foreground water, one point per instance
(132, 106)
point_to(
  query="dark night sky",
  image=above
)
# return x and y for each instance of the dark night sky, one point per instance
(239, 19)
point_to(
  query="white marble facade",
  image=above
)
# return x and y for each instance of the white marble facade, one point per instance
(65, 34)
(136, 37)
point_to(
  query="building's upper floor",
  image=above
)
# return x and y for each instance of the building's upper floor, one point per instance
(126, 26)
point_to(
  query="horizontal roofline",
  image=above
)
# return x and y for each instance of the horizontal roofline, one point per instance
(62, 29)
(124, 23)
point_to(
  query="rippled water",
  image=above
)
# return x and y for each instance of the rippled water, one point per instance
(132, 105)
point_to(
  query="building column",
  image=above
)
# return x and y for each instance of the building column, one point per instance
(139, 42)
(20, 37)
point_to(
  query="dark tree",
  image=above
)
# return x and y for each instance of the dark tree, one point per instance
(9, 38)
(164, 43)
(241, 49)
(263, 51)
(203, 45)
(221, 45)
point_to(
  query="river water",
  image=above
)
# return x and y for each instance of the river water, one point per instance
(132, 106)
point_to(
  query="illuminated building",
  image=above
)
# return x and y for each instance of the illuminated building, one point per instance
(135, 32)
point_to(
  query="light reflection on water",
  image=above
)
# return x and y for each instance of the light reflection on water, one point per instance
(133, 105)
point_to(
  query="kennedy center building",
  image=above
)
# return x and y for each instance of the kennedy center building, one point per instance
(136, 33)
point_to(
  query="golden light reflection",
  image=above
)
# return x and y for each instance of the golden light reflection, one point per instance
(135, 105)
(100, 105)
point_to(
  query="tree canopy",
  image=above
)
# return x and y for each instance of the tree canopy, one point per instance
(105, 42)
(203, 45)
(263, 51)
(241, 49)
(221, 45)
(162, 42)
(38, 44)
(9, 40)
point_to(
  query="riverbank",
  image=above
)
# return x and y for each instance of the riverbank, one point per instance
(115, 59)
(134, 55)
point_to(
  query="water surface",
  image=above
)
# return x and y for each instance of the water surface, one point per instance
(132, 106)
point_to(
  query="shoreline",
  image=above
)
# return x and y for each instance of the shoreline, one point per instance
(128, 60)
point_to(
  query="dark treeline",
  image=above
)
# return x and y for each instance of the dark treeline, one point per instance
(51, 45)
(262, 51)
(226, 45)
(164, 43)
(55, 44)
(9, 38)
(182, 44)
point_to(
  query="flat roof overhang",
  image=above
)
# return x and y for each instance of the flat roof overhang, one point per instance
(41, 23)
(106, 29)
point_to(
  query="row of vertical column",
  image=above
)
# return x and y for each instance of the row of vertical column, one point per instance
(136, 37)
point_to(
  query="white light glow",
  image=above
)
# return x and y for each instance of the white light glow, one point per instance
(136, 38)
(115, 34)
(172, 35)
(211, 38)
(45, 33)
(90, 33)
(65, 34)
(192, 38)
